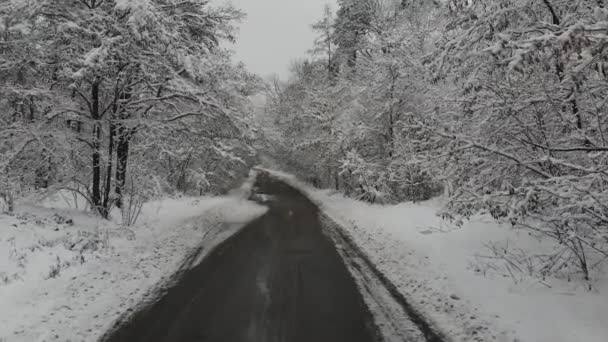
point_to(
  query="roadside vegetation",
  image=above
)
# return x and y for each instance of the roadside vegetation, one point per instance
(499, 104)
(120, 102)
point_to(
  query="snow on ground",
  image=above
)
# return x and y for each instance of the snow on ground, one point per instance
(437, 266)
(66, 275)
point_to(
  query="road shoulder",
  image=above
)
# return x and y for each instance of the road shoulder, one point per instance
(95, 287)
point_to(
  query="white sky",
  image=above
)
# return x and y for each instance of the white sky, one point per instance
(276, 32)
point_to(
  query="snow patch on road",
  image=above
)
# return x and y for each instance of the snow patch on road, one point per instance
(436, 266)
(63, 280)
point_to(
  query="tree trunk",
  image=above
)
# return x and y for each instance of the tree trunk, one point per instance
(391, 117)
(555, 20)
(182, 179)
(32, 109)
(9, 200)
(7, 194)
(337, 180)
(106, 200)
(123, 134)
(96, 157)
(122, 157)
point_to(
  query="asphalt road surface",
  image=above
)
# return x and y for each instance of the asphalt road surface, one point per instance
(278, 280)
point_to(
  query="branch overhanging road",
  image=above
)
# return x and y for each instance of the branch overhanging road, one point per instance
(280, 279)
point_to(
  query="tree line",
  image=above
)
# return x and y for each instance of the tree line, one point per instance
(120, 100)
(499, 104)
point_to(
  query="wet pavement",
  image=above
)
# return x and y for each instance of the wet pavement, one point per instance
(280, 279)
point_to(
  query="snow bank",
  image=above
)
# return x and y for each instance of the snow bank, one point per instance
(438, 267)
(68, 276)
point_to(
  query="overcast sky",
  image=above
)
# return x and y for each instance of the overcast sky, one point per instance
(276, 32)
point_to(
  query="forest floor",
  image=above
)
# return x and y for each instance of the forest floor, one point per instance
(66, 275)
(449, 275)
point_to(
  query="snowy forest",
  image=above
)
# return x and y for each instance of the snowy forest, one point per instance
(137, 114)
(498, 104)
(120, 101)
